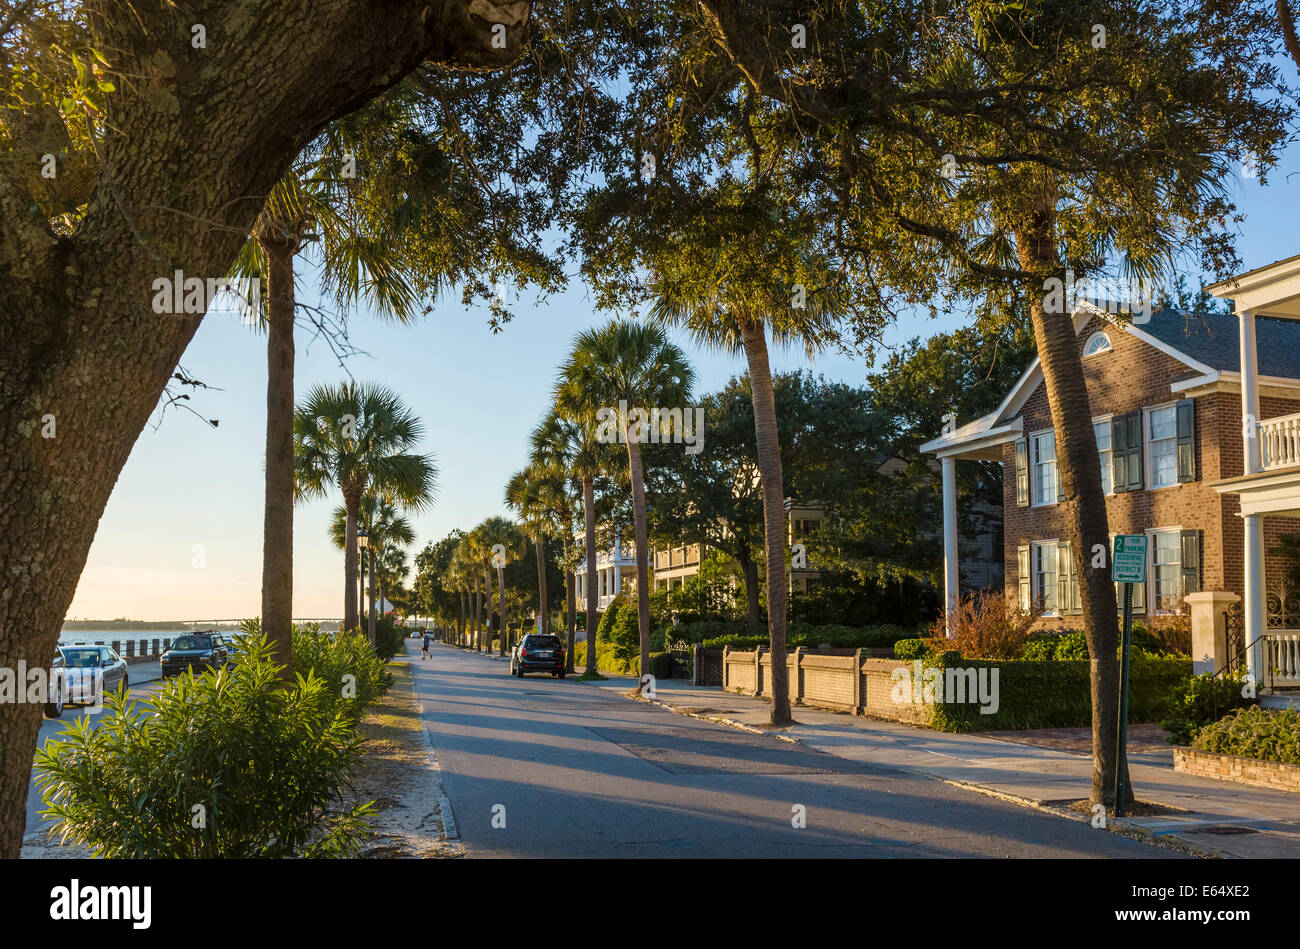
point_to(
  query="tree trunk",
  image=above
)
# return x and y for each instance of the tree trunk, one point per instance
(774, 527)
(370, 626)
(501, 606)
(351, 593)
(1084, 504)
(642, 557)
(478, 615)
(571, 615)
(460, 626)
(589, 539)
(277, 517)
(487, 606)
(749, 573)
(541, 585)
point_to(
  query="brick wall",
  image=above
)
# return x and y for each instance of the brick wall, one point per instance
(1252, 771)
(1132, 376)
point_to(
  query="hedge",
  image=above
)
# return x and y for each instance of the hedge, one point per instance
(741, 634)
(606, 660)
(1036, 694)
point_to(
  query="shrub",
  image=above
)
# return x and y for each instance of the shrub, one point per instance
(606, 661)
(1254, 733)
(1201, 700)
(625, 633)
(389, 637)
(353, 675)
(1072, 645)
(987, 626)
(1041, 646)
(910, 649)
(263, 762)
(607, 618)
(1170, 634)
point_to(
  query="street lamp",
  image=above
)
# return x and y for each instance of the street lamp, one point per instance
(363, 542)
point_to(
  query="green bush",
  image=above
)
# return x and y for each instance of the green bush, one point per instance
(354, 676)
(741, 634)
(263, 764)
(1041, 646)
(1036, 694)
(606, 622)
(389, 637)
(606, 661)
(1071, 645)
(1201, 700)
(625, 633)
(910, 649)
(1254, 733)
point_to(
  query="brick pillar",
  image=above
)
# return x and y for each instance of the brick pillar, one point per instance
(857, 681)
(796, 679)
(155, 648)
(1209, 630)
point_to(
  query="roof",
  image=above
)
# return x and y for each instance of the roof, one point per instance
(1211, 338)
(1205, 342)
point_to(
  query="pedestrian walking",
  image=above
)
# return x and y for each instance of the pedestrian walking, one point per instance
(424, 653)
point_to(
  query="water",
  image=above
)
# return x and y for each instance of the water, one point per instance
(106, 636)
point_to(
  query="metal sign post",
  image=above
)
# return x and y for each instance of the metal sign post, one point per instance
(1128, 566)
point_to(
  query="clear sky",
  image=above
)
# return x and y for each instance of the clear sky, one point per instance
(187, 485)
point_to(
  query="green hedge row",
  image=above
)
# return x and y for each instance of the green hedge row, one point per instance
(741, 634)
(1032, 694)
(607, 660)
(1267, 735)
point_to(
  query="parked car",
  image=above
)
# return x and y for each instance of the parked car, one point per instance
(538, 652)
(58, 685)
(82, 665)
(197, 651)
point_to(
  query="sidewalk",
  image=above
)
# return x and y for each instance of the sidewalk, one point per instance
(1220, 818)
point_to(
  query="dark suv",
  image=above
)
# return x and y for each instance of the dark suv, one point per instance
(197, 651)
(538, 653)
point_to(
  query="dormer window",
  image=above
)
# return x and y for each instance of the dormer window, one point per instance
(1097, 343)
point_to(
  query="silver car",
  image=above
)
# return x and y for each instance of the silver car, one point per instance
(83, 665)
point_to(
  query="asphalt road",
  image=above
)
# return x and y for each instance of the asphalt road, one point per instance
(144, 678)
(540, 767)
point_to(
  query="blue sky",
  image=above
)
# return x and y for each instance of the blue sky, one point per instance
(191, 494)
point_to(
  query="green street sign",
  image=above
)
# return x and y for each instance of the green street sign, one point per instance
(1128, 564)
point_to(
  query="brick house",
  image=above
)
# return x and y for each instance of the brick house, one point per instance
(1166, 404)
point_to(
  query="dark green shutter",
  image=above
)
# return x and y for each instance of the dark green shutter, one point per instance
(1191, 562)
(1186, 440)
(1022, 472)
(1126, 452)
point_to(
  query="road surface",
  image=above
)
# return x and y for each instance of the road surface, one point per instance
(540, 767)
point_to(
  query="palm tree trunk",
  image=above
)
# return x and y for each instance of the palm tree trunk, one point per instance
(1084, 503)
(487, 607)
(460, 627)
(371, 625)
(478, 616)
(642, 557)
(277, 518)
(351, 600)
(571, 611)
(501, 607)
(589, 522)
(774, 529)
(541, 585)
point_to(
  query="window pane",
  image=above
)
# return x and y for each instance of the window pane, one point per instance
(1164, 423)
(1102, 432)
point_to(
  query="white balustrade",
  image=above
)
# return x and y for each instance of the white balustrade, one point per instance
(1280, 441)
(1282, 658)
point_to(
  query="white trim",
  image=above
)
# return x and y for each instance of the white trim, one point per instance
(1152, 598)
(1034, 499)
(1169, 350)
(1102, 334)
(1106, 420)
(1035, 594)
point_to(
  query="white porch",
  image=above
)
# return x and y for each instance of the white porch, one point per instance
(613, 567)
(1270, 483)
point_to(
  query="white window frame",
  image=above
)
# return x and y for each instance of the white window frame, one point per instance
(1153, 597)
(1089, 352)
(1148, 446)
(1107, 459)
(1038, 591)
(1035, 498)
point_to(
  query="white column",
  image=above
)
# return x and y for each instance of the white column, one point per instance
(951, 576)
(1253, 607)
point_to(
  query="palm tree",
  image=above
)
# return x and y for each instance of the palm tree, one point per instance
(628, 364)
(359, 258)
(737, 325)
(504, 543)
(359, 437)
(529, 493)
(388, 531)
(566, 443)
(457, 577)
